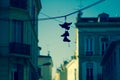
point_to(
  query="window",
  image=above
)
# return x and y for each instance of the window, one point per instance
(89, 46)
(89, 71)
(104, 45)
(75, 74)
(17, 72)
(39, 72)
(19, 3)
(14, 72)
(119, 55)
(17, 32)
(114, 57)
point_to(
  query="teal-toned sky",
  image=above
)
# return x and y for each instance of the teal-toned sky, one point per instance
(50, 32)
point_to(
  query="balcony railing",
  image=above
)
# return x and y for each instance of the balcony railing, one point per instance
(19, 48)
(19, 4)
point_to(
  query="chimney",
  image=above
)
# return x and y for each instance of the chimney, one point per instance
(103, 17)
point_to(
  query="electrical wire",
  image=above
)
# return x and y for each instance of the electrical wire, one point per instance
(93, 4)
(49, 17)
(63, 16)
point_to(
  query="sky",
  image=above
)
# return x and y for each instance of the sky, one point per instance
(50, 32)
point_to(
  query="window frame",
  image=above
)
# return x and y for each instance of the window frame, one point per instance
(17, 31)
(17, 72)
(103, 44)
(89, 71)
(89, 46)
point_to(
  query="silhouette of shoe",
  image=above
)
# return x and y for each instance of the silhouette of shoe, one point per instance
(65, 34)
(66, 39)
(65, 25)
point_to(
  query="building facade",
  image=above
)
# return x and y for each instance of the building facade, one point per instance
(68, 71)
(45, 65)
(94, 34)
(19, 39)
(111, 61)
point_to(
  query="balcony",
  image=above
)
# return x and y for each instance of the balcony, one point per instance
(19, 4)
(19, 49)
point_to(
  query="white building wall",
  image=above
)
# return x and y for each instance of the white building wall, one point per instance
(46, 71)
(72, 70)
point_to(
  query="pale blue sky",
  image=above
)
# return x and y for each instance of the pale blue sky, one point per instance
(50, 32)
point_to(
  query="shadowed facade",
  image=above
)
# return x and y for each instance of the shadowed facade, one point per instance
(94, 35)
(19, 39)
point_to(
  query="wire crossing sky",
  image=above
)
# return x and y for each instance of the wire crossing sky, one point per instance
(80, 10)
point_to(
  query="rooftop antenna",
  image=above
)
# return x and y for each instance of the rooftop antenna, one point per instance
(48, 53)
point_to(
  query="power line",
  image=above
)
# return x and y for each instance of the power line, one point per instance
(93, 4)
(64, 16)
(49, 16)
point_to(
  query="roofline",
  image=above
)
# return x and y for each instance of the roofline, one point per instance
(70, 63)
(44, 56)
(97, 24)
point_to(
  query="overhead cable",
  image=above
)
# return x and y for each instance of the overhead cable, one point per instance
(93, 4)
(63, 16)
